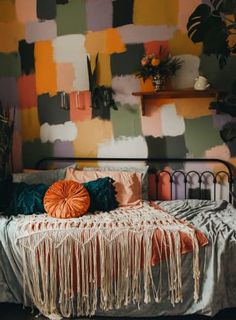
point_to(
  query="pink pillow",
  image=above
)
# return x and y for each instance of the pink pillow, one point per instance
(128, 184)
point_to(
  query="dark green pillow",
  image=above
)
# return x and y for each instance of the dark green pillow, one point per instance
(27, 199)
(102, 194)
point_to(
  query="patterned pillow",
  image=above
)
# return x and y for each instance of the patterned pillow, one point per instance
(26, 199)
(102, 194)
(66, 199)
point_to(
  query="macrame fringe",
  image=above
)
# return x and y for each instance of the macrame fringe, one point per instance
(74, 271)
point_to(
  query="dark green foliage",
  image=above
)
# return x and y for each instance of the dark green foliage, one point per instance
(211, 25)
(101, 96)
(6, 133)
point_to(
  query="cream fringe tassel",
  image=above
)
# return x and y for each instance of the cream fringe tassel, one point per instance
(73, 267)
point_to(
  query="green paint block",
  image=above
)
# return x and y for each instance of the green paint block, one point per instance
(10, 65)
(220, 79)
(35, 150)
(200, 135)
(71, 18)
(126, 121)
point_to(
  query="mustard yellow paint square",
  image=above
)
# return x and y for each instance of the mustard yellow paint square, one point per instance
(181, 44)
(30, 127)
(155, 12)
(104, 69)
(7, 11)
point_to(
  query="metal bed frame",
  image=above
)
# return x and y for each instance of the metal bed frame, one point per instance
(154, 163)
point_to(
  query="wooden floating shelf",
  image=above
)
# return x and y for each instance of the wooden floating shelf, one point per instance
(180, 93)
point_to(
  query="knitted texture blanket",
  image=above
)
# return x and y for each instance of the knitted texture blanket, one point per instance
(72, 267)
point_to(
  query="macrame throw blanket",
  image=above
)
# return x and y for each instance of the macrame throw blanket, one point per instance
(72, 267)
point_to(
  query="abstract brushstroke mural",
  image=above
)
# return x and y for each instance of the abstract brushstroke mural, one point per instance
(44, 75)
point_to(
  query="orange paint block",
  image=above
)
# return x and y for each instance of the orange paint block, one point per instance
(45, 68)
(153, 12)
(65, 77)
(193, 108)
(27, 91)
(30, 127)
(91, 133)
(80, 106)
(95, 42)
(114, 43)
(10, 34)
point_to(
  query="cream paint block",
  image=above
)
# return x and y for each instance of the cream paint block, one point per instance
(184, 77)
(135, 147)
(69, 48)
(62, 132)
(26, 10)
(39, 31)
(81, 82)
(139, 34)
(123, 87)
(172, 124)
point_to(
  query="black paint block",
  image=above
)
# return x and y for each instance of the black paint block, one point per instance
(103, 113)
(167, 147)
(35, 150)
(228, 132)
(122, 12)
(53, 109)
(127, 62)
(62, 1)
(232, 147)
(26, 51)
(46, 9)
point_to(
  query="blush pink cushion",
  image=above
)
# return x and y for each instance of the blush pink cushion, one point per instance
(128, 184)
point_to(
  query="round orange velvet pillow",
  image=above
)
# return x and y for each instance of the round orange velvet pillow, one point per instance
(66, 199)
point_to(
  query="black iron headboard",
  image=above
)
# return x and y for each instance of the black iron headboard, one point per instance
(154, 168)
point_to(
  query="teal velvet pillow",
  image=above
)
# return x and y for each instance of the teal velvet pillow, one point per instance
(102, 194)
(27, 199)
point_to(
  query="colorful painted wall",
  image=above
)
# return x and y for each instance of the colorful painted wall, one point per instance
(43, 71)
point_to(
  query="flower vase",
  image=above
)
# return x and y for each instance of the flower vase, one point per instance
(158, 82)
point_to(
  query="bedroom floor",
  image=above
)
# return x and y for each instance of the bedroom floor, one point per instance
(16, 312)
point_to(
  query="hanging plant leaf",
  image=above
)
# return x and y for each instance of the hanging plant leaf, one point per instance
(90, 74)
(197, 23)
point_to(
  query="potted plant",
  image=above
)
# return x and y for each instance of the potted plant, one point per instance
(158, 67)
(214, 25)
(101, 96)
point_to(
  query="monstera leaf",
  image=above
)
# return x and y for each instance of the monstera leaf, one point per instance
(209, 25)
(197, 23)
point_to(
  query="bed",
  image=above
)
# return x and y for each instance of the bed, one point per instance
(141, 282)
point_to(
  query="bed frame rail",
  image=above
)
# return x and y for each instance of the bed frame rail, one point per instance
(157, 168)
